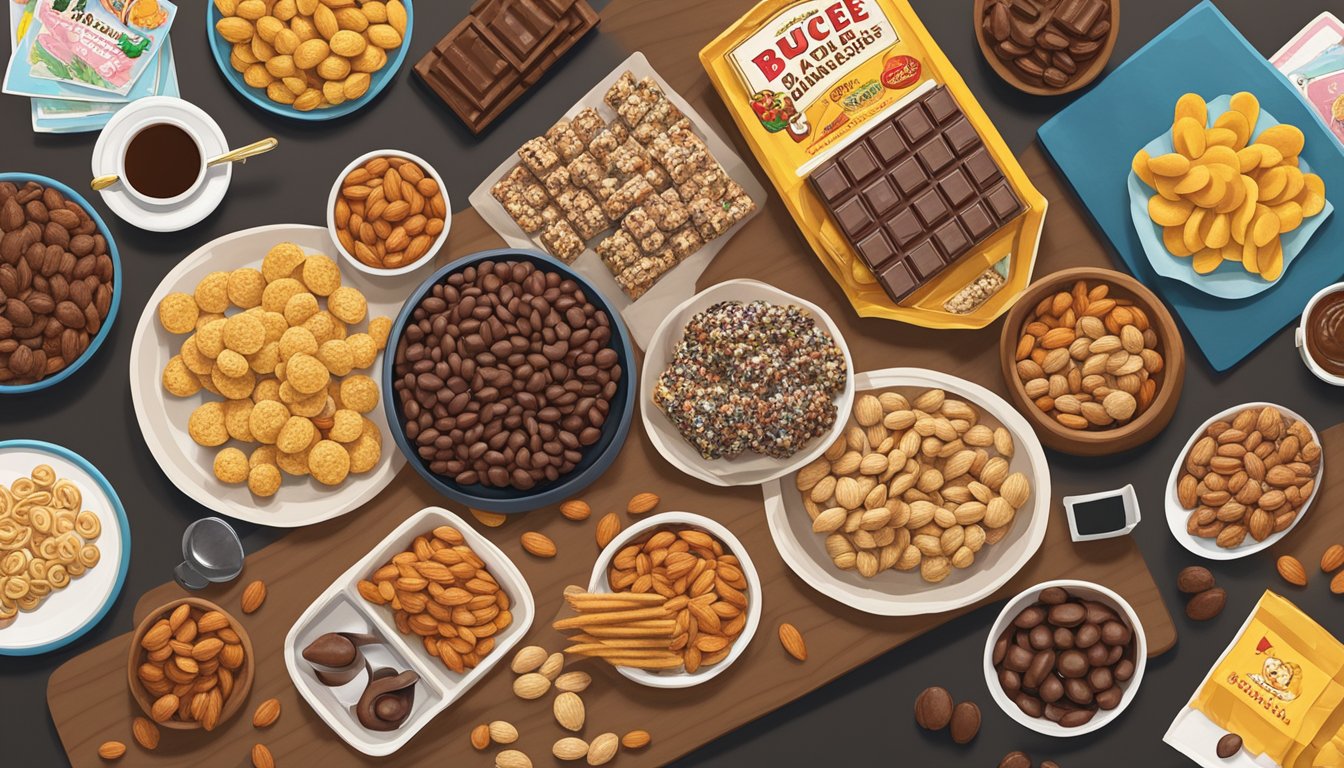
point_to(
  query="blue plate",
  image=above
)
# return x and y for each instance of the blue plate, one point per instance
(377, 80)
(1229, 280)
(596, 457)
(23, 639)
(23, 178)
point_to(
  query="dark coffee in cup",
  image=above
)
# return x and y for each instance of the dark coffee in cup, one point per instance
(162, 161)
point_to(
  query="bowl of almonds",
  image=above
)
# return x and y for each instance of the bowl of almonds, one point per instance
(1093, 360)
(389, 213)
(190, 665)
(1243, 480)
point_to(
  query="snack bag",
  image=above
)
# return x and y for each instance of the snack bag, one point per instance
(1279, 686)
(884, 158)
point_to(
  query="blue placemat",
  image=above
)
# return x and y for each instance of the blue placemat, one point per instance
(1093, 141)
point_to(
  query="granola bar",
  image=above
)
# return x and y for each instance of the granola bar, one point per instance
(620, 90)
(631, 193)
(587, 124)
(607, 141)
(565, 140)
(640, 276)
(561, 241)
(539, 156)
(583, 212)
(618, 251)
(630, 159)
(585, 171)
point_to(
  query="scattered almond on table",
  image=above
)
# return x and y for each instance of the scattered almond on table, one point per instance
(636, 739)
(531, 686)
(267, 713)
(480, 736)
(570, 748)
(111, 750)
(261, 757)
(538, 544)
(642, 503)
(1337, 583)
(603, 749)
(552, 666)
(574, 682)
(792, 640)
(569, 711)
(607, 528)
(488, 519)
(253, 596)
(502, 732)
(146, 733)
(1290, 568)
(512, 758)
(528, 659)
(1333, 558)
(575, 509)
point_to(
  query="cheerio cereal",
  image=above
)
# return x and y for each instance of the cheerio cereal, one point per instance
(178, 313)
(231, 466)
(347, 426)
(245, 286)
(321, 275)
(178, 379)
(212, 293)
(328, 462)
(244, 333)
(264, 479)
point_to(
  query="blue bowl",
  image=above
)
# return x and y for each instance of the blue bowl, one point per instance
(377, 81)
(23, 178)
(596, 457)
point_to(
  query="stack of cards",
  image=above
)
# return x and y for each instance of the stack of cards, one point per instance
(1313, 61)
(82, 60)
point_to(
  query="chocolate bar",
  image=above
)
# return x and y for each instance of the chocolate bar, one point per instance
(916, 193)
(500, 50)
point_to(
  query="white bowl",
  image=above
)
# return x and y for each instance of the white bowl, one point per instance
(896, 593)
(341, 609)
(1300, 337)
(433, 249)
(747, 468)
(683, 679)
(1178, 515)
(1089, 591)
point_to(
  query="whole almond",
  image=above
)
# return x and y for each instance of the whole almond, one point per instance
(570, 748)
(1290, 568)
(607, 528)
(792, 640)
(111, 750)
(1333, 558)
(1206, 604)
(603, 749)
(551, 667)
(528, 659)
(637, 739)
(538, 545)
(261, 757)
(488, 519)
(531, 686)
(211, 621)
(164, 708)
(512, 758)
(933, 708)
(641, 503)
(480, 736)
(1194, 579)
(267, 713)
(1337, 583)
(253, 596)
(574, 682)
(569, 712)
(146, 733)
(575, 509)
(502, 732)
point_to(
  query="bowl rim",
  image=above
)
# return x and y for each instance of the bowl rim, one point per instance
(564, 487)
(257, 96)
(1169, 334)
(242, 685)
(1103, 717)
(682, 679)
(1176, 514)
(434, 247)
(1300, 336)
(22, 177)
(698, 467)
(1094, 70)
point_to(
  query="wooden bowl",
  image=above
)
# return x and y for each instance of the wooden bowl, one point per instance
(1097, 442)
(1011, 76)
(242, 684)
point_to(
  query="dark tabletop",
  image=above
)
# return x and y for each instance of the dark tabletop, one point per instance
(866, 717)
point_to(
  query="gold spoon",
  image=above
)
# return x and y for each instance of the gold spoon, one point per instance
(235, 156)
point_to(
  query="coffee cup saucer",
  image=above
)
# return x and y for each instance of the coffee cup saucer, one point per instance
(138, 211)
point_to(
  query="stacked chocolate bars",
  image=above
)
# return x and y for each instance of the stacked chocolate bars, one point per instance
(916, 193)
(644, 180)
(499, 50)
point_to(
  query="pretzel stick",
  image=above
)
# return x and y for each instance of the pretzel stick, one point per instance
(610, 617)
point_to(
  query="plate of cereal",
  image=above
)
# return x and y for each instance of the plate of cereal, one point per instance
(253, 377)
(855, 523)
(66, 546)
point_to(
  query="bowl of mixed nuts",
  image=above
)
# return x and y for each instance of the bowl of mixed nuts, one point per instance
(389, 213)
(1243, 480)
(1093, 360)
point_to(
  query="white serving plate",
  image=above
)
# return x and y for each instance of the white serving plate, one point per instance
(897, 593)
(746, 468)
(66, 614)
(163, 417)
(1088, 591)
(1177, 515)
(682, 678)
(341, 609)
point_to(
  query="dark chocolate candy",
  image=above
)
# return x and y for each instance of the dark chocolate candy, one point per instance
(387, 701)
(1045, 39)
(916, 193)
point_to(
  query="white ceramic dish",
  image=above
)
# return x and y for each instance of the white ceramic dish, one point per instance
(185, 210)
(341, 609)
(66, 614)
(1088, 591)
(896, 593)
(746, 468)
(1300, 337)
(681, 678)
(438, 241)
(1177, 515)
(163, 418)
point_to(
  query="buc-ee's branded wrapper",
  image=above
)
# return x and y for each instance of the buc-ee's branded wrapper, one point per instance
(1279, 686)
(804, 79)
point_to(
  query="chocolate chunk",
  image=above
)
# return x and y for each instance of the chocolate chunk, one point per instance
(1228, 745)
(933, 708)
(387, 701)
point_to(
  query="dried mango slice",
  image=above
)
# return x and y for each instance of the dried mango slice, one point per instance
(1166, 187)
(1290, 216)
(1236, 196)
(1206, 260)
(1194, 180)
(1288, 139)
(1219, 155)
(1212, 195)
(1271, 265)
(1265, 227)
(1248, 158)
(1272, 183)
(1220, 231)
(1191, 235)
(1294, 183)
(1237, 123)
(1312, 198)
(1169, 213)
(1232, 252)
(1170, 164)
(1187, 137)
(1220, 137)
(1192, 106)
(1141, 169)
(1269, 156)
(1248, 106)
(1241, 220)
(1250, 258)
(1174, 239)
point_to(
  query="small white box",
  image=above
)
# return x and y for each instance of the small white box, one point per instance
(1093, 503)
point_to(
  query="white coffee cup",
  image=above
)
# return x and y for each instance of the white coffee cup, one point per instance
(1300, 337)
(148, 121)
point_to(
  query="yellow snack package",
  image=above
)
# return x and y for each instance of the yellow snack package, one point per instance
(884, 158)
(1279, 686)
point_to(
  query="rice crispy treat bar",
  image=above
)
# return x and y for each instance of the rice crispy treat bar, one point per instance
(630, 159)
(714, 217)
(607, 141)
(682, 153)
(667, 210)
(565, 140)
(585, 171)
(513, 192)
(633, 192)
(604, 188)
(539, 156)
(620, 90)
(583, 212)
(644, 229)
(637, 103)
(561, 241)
(639, 277)
(557, 181)
(512, 182)
(657, 177)
(534, 194)
(587, 124)
(662, 115)
(618, 251)
(684, 242)
(711, 182)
